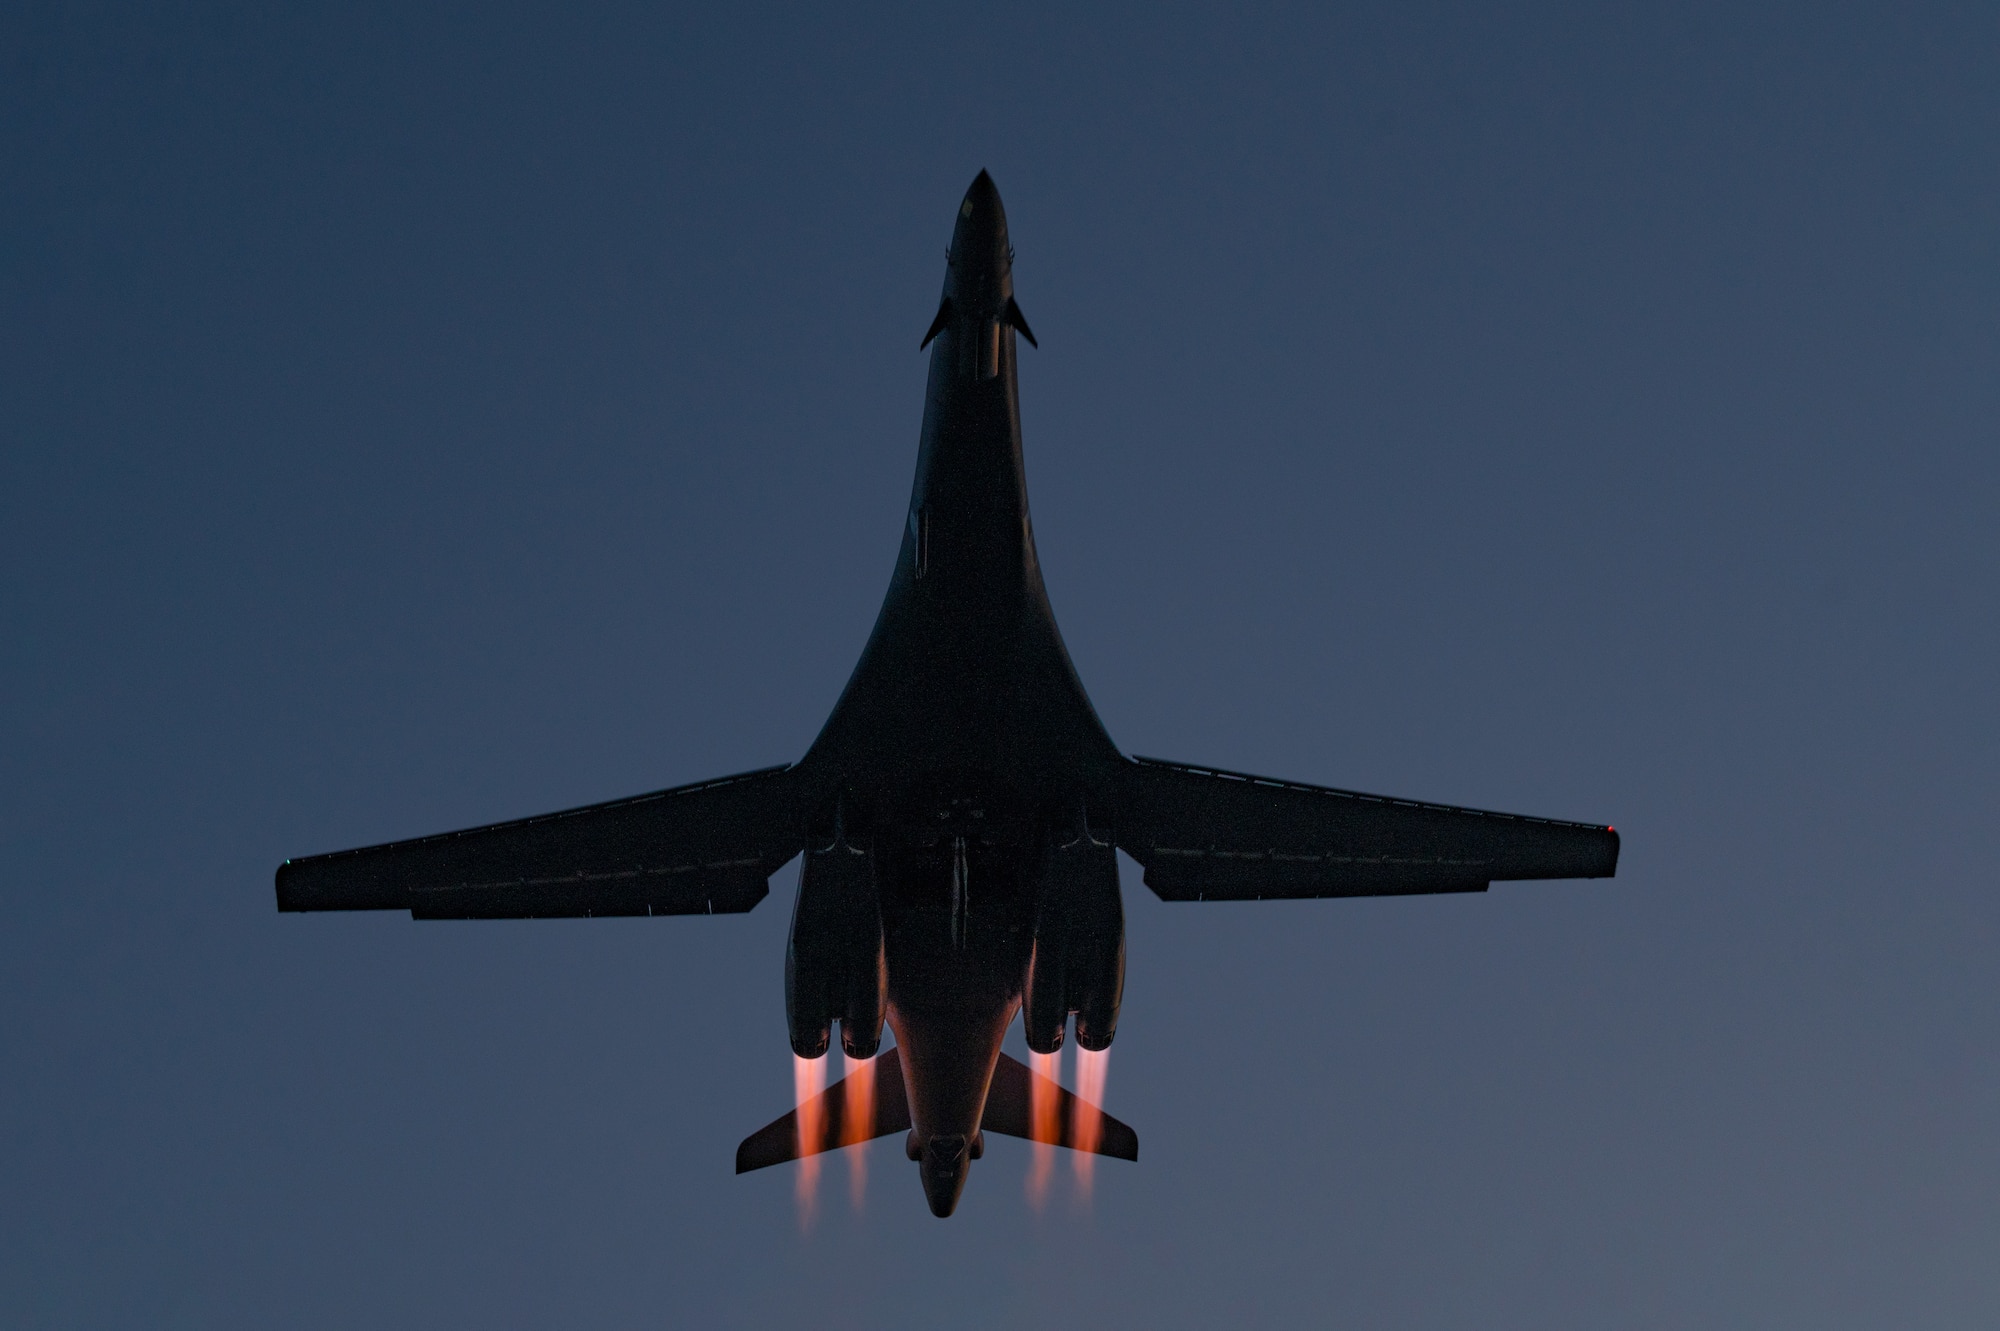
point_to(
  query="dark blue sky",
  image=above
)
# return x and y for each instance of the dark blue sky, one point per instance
(418, 418)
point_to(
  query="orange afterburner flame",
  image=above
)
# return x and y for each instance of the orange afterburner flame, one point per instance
(1044, 1122)
(808, 1080)
(1087, 1129)
(857, 1121)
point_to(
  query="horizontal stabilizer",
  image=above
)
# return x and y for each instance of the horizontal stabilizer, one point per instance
(826, 1115)
(1020, 1096)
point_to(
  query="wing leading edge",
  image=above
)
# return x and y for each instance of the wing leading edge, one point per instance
(1208, 835)
(693, 850)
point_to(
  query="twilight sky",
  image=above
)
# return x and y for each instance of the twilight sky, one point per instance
(428, 416)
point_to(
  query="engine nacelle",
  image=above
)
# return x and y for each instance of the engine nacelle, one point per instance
(834, 965)
(1078, 962)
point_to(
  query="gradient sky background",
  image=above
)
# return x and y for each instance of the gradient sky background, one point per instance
(423, 417)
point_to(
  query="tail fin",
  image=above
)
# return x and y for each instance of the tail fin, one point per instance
(777, 1142)
(1010, 1111)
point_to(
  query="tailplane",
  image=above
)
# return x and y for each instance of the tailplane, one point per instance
(821, 1123)
(1023, 1103)
(1020, 1103)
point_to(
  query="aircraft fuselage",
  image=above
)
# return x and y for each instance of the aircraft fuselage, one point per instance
(964, 740)
(956, 818)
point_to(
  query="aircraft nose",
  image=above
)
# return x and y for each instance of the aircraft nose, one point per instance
(983, 196)
(979, 240)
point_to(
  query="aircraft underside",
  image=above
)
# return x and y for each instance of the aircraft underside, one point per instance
(958, 819)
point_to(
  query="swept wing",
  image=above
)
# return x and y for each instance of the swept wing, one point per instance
(694, 850)
(1208, 835)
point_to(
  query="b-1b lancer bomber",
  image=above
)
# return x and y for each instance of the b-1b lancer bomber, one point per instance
(959, 815)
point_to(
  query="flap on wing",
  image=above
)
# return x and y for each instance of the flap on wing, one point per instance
(827, 1115)
(1208, 835)
(700, 849)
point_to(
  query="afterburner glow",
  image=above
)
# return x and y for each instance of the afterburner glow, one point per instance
(1088, 1129)
(808, 1080)
(857, 1120)
(1044, 1120)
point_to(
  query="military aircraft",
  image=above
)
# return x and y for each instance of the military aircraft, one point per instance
(958, 817)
